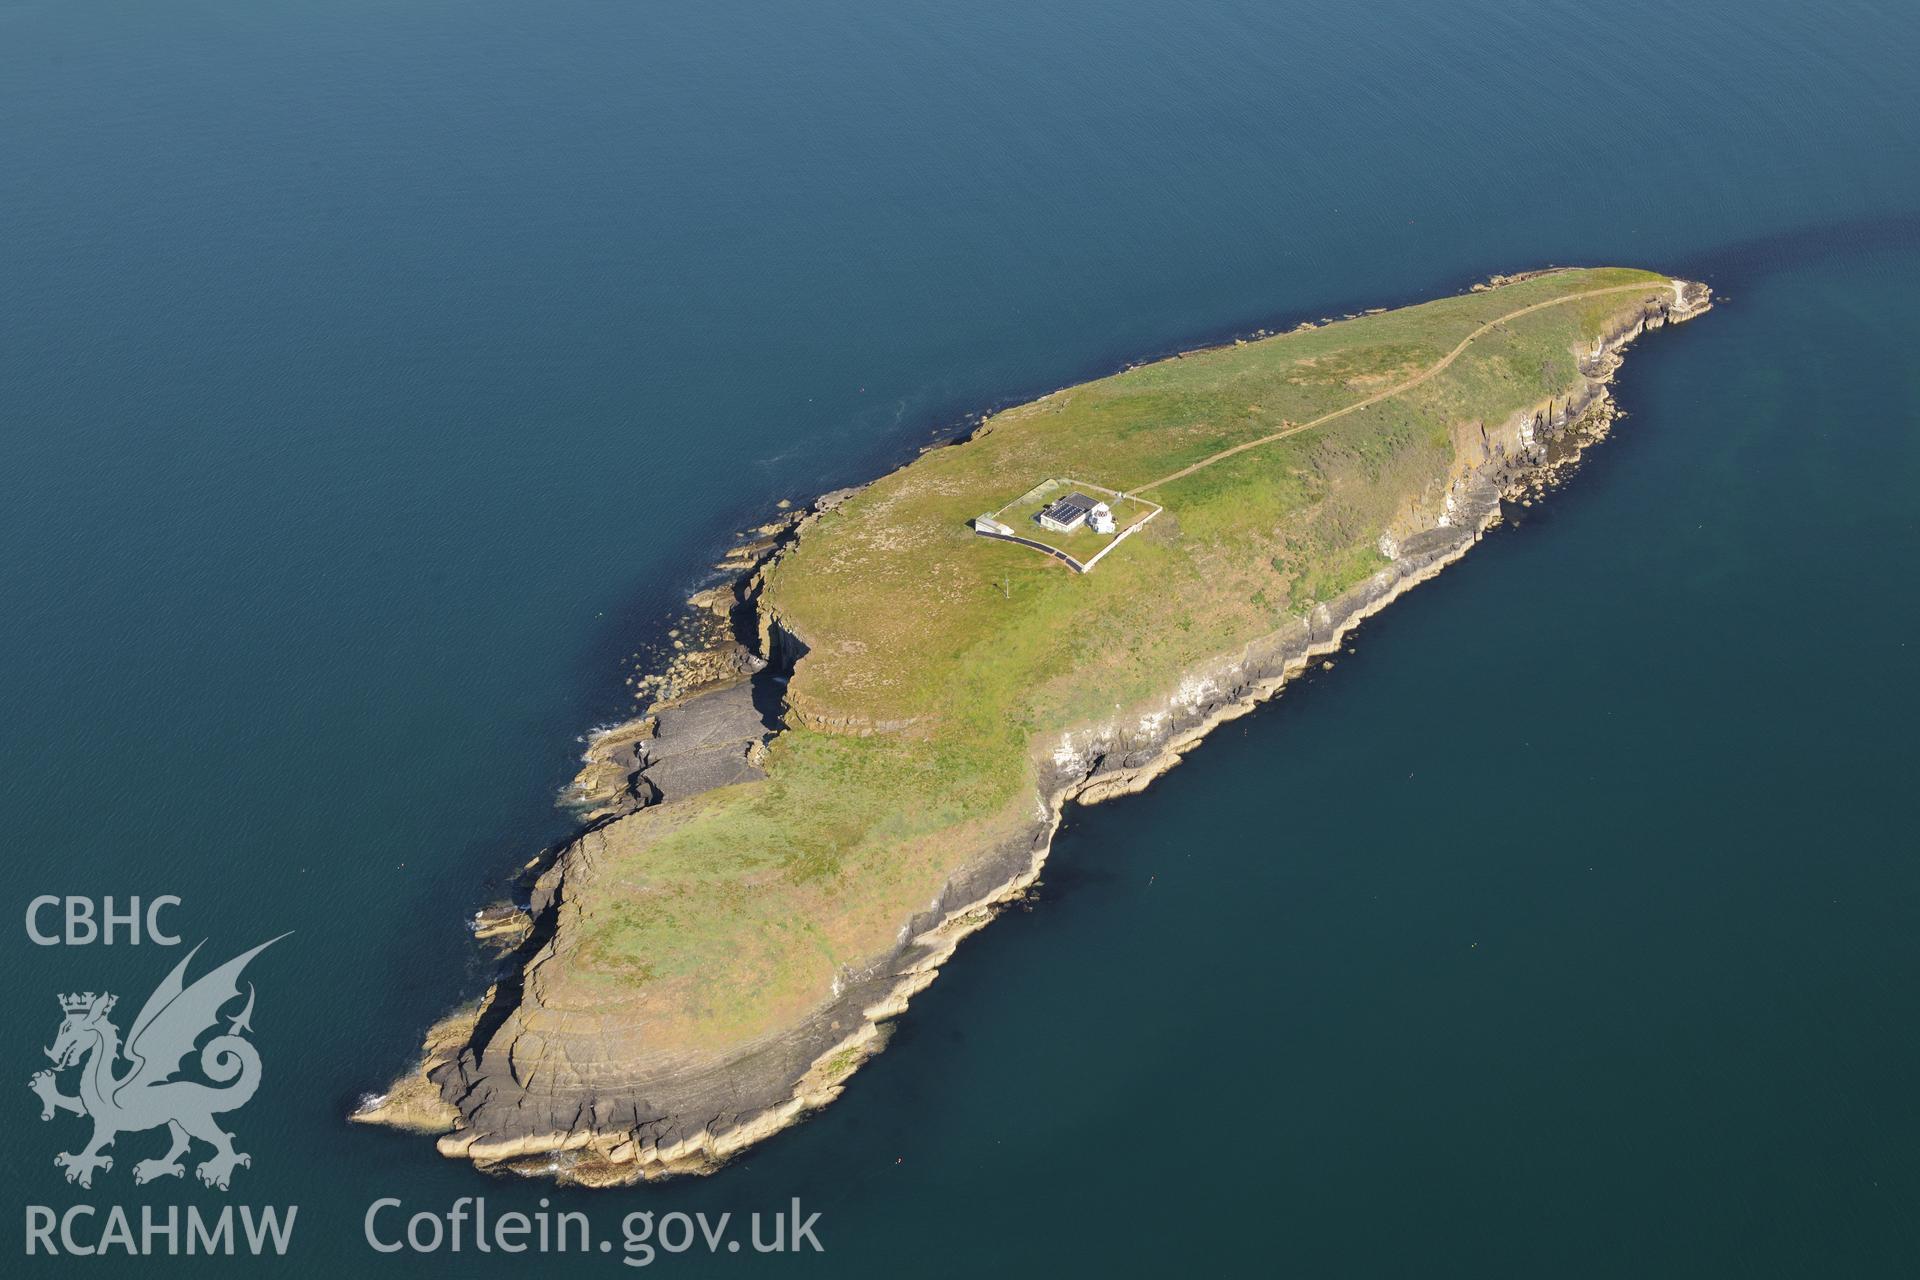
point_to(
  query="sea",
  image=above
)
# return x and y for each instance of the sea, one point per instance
(377, 380)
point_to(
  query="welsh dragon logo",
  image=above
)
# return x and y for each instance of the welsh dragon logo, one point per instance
(145, 1095)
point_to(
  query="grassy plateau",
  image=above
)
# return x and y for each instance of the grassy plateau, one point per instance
(941, 665)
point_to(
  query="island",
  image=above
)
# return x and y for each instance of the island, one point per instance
(905, 683)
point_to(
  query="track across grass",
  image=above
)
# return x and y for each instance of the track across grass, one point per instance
(1390, 392)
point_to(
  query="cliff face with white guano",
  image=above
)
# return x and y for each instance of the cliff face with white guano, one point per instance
(543, 1080)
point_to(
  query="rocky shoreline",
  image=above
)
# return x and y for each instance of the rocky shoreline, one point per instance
(603, 1123)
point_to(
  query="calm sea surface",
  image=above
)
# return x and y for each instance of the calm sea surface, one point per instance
(376, 378)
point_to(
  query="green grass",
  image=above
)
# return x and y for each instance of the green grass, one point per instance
(940, 662)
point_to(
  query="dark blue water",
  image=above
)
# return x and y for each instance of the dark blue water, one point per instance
(375, 379)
